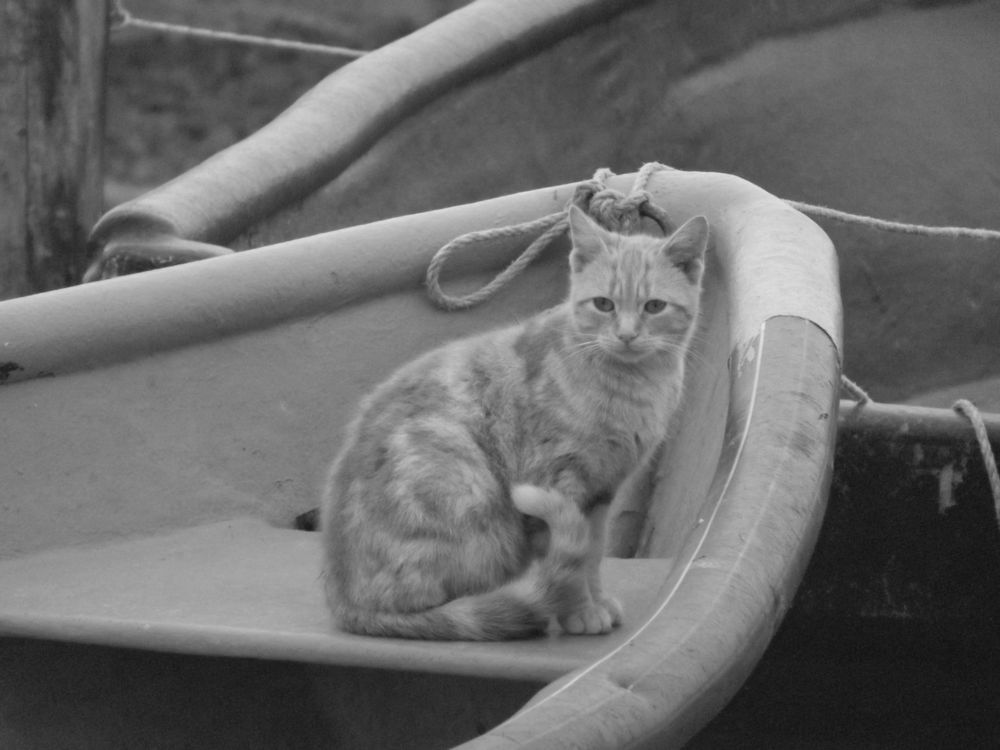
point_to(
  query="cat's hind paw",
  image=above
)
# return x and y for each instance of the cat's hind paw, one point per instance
(596, 618)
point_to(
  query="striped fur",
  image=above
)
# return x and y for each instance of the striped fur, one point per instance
(468, 499)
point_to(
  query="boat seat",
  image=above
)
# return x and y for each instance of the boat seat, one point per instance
(243, 588)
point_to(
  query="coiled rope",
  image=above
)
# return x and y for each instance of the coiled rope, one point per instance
(623, 213)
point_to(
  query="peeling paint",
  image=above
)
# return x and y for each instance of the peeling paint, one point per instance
(946, 498)
(747, 357)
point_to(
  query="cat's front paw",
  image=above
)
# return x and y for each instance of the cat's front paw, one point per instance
(595, 618)
(614, 608)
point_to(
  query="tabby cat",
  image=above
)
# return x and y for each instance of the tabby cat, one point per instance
(469, 499)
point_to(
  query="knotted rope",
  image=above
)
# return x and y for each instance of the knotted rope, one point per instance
(612, 209)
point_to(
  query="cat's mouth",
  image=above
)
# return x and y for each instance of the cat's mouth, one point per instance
(626, 352)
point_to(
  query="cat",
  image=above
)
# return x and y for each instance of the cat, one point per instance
(469, 499)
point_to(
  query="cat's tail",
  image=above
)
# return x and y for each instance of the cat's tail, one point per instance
(521, 608)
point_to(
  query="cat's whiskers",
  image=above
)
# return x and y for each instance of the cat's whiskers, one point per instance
(583, 349)
(695, 355)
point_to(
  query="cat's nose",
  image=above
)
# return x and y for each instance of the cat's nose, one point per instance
(627, 328)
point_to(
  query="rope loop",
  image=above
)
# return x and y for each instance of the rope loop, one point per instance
(610, 208)
(551, 226)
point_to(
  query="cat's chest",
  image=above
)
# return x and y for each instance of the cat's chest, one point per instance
(632, 437)
(624, 432)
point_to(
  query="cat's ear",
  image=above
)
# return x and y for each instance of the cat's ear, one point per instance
(686, 247)
(586, 238)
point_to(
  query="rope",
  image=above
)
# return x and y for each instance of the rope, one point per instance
(610, 208)
(121, 18)
(856, 392)
(551, 226)
(968, 410)
(895, 226)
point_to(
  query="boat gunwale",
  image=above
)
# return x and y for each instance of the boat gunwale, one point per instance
(783, 263)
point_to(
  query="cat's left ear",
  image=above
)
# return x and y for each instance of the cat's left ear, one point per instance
(586, 238)
(686, 247)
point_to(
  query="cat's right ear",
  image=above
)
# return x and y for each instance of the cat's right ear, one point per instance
(586, 238)
(686, 247)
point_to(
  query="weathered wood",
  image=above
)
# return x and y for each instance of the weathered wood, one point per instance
(52, 62)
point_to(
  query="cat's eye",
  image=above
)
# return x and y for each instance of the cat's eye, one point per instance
(603, 304)
(654, 306)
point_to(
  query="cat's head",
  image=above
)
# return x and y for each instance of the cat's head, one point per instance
(634, 296)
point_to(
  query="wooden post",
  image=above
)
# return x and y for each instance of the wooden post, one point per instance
(52, 64)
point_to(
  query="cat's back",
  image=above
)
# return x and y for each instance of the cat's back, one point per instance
(466, 367)
(445, 379)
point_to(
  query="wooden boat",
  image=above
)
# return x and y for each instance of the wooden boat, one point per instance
(171, 426)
